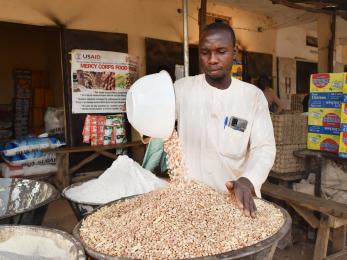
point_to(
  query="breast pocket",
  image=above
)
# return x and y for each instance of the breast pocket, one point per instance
(233, 143)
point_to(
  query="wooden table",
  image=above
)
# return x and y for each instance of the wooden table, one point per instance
(331, 225)
(333, 215)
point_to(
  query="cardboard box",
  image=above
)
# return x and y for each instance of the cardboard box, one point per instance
(323, 142)
(326, 82)
(328, 117)
(343, 145)
(324, 130)
(325, 100)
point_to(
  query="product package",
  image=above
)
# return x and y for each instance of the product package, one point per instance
(324, 113)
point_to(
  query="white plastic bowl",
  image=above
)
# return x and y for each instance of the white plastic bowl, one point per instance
(150, 105)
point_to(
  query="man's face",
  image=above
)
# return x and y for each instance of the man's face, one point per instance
(216, 52)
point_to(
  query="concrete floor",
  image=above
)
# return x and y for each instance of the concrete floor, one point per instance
(60, 215)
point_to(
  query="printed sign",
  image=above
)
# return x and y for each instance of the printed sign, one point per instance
(100, 80)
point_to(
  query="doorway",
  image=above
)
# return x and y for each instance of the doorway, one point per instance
(303, 73)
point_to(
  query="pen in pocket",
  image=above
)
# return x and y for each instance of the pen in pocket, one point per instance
(225, 121)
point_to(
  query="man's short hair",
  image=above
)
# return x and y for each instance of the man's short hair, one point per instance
(221, 26)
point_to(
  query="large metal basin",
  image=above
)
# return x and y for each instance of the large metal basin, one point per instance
(80, 208)
(26, 199)
(64, 245)
(259, 251)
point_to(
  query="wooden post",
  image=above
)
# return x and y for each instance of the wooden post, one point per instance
(338, 239)
(202, 15)
(324, 36)
(321, 246)
(332, 43)
(62, 177)
(202, 21)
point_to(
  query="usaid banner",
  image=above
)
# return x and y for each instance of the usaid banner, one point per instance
(100, 80)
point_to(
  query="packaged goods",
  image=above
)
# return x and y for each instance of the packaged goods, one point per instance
(344, 88)
(326, 82)
(35, 156)
(104, 130)
(30, 144)
(27, 170)
(323, 142)
(343, 145)
(344, 113)
(86, 130)
(97, 124)
(324, 130)
(54, 120)
(343, 134)
(325, 100)
(328, 117)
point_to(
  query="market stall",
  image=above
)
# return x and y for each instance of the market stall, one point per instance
(77, 94)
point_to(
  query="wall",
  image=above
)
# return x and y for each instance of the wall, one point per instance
(160, 19)
(287, 69)
(151, 18)
(140, 19)
(31, 49)
(291, 43)
(342, 54)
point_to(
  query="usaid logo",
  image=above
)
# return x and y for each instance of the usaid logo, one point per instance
(80, 56)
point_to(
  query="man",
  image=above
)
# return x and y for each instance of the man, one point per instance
(275, 103)
(224, 123)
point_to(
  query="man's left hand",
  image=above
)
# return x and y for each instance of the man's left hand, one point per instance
(243, 189)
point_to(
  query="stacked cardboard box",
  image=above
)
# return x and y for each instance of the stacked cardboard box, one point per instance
(22, 101)
(343, 133)
(324, 117)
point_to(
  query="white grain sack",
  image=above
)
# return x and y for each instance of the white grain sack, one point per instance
(124, 178)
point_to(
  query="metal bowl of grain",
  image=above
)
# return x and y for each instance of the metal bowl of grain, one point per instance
(261, 250)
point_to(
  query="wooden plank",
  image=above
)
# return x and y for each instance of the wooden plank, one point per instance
(338, 239)
(307, 215)
(305, 200)
(83, 162)
(321, 246)
(342, 255)
(291, 176)
(107, 154)
(79, 149)
(62, 165)
(337, 222)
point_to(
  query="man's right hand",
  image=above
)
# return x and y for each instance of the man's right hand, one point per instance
(243, 189)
